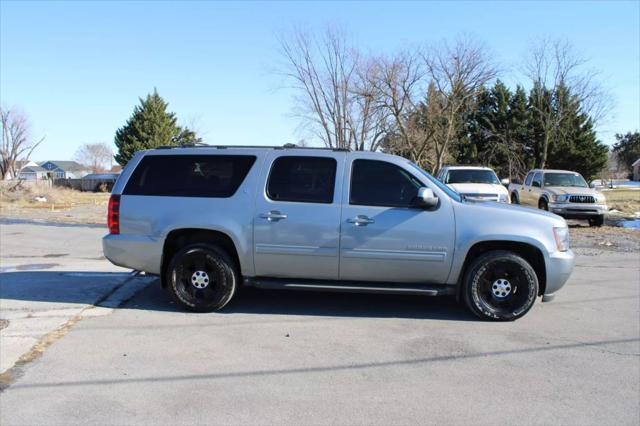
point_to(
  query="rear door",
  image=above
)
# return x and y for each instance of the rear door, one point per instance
(525, 190)
(535, 190)
(297, 215)
(384, 237)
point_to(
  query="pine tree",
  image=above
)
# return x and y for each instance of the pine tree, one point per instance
(575, 146)
(627, 148)
(151, 126)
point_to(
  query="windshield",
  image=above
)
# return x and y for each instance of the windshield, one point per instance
(450, 192)
(564, 179)
(472, 176)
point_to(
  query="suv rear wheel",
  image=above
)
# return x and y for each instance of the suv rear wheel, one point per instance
(202, 277)
(500, 285)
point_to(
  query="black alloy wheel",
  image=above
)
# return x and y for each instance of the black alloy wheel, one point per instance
(202, 278)
(500, 285)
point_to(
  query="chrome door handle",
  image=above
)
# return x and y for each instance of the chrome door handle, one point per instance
(273, 216)
(360, 220)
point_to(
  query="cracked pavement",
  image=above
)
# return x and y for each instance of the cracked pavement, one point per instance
(311, 358)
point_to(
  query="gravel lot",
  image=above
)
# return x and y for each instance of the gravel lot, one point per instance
(111, 348)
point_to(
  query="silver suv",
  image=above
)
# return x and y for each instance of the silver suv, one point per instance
(209, 219)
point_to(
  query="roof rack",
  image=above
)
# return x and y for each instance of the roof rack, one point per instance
(285, 146)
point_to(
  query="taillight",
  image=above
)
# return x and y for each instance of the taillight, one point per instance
(113, 215)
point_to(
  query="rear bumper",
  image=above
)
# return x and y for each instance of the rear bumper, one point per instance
(578, 211)
(559, 266)
(135, 252)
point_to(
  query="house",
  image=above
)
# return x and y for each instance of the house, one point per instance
(64, 169)
(32, 172)
(636, 169)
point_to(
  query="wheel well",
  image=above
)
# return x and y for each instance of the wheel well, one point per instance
(528, 252)
(179, 238)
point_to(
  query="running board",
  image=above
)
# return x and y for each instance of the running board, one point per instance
(351, 286)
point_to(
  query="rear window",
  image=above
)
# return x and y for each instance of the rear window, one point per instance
(302, 179)
(189, 175)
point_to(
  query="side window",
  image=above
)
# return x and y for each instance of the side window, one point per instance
(378, 183)
(216, 176)
(537, 180)
(302, 179)
(527, 181)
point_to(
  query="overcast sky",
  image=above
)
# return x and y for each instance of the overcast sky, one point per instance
(77, 69)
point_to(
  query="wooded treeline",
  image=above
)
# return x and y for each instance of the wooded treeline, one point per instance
(445, 103)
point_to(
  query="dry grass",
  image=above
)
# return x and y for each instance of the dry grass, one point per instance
(61, 204)
(626, 201)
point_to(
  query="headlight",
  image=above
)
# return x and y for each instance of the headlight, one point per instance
(503, 198)
(600, 199)
(559, 198)
(562, 238)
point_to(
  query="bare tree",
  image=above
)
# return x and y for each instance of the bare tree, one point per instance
(397, 82)
(456, 73)
(334, 95)
(555, 70)
(17, 144)
(97, 156)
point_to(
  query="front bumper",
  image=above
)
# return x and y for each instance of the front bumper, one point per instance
(559, 266)
(578, 211)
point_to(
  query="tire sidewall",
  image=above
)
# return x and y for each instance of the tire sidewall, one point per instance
(222, 261)
(471, 291)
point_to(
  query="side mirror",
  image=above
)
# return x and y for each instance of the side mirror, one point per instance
(505, 182)
(592, 185)
(426, 198)
(536, 184)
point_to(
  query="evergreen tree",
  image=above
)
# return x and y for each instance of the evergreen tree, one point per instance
(497, 131)
(151, 126)
(575, 146)
(627, 148)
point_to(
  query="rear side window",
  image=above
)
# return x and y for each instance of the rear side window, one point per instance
(302, 179)
(527, 181)
(216, 176)
(378, 183)
(537, 180)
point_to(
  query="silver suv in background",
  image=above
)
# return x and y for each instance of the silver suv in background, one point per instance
(209, 219)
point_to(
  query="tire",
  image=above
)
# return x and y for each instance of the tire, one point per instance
(597, 221)
(500, 286)
(514, 198)
(202, 278)
(543, 205)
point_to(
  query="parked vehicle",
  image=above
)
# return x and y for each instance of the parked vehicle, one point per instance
(562, 192)
(477, 183)
(209, 219)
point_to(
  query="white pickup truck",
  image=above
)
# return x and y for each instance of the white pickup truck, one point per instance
(562, 192)
(475, 183)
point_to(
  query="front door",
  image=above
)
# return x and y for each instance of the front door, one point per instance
(297, 216)
(385, 237)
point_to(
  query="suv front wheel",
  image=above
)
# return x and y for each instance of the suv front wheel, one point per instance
(500, 285)
(202, 277)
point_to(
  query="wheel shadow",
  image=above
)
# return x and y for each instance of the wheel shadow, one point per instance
(87, 288)
(309, 303)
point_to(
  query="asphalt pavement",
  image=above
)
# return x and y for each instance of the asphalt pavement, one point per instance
(120, 352)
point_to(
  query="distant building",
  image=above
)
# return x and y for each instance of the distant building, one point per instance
(64, 169)
(32, 172)
(636, 169)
